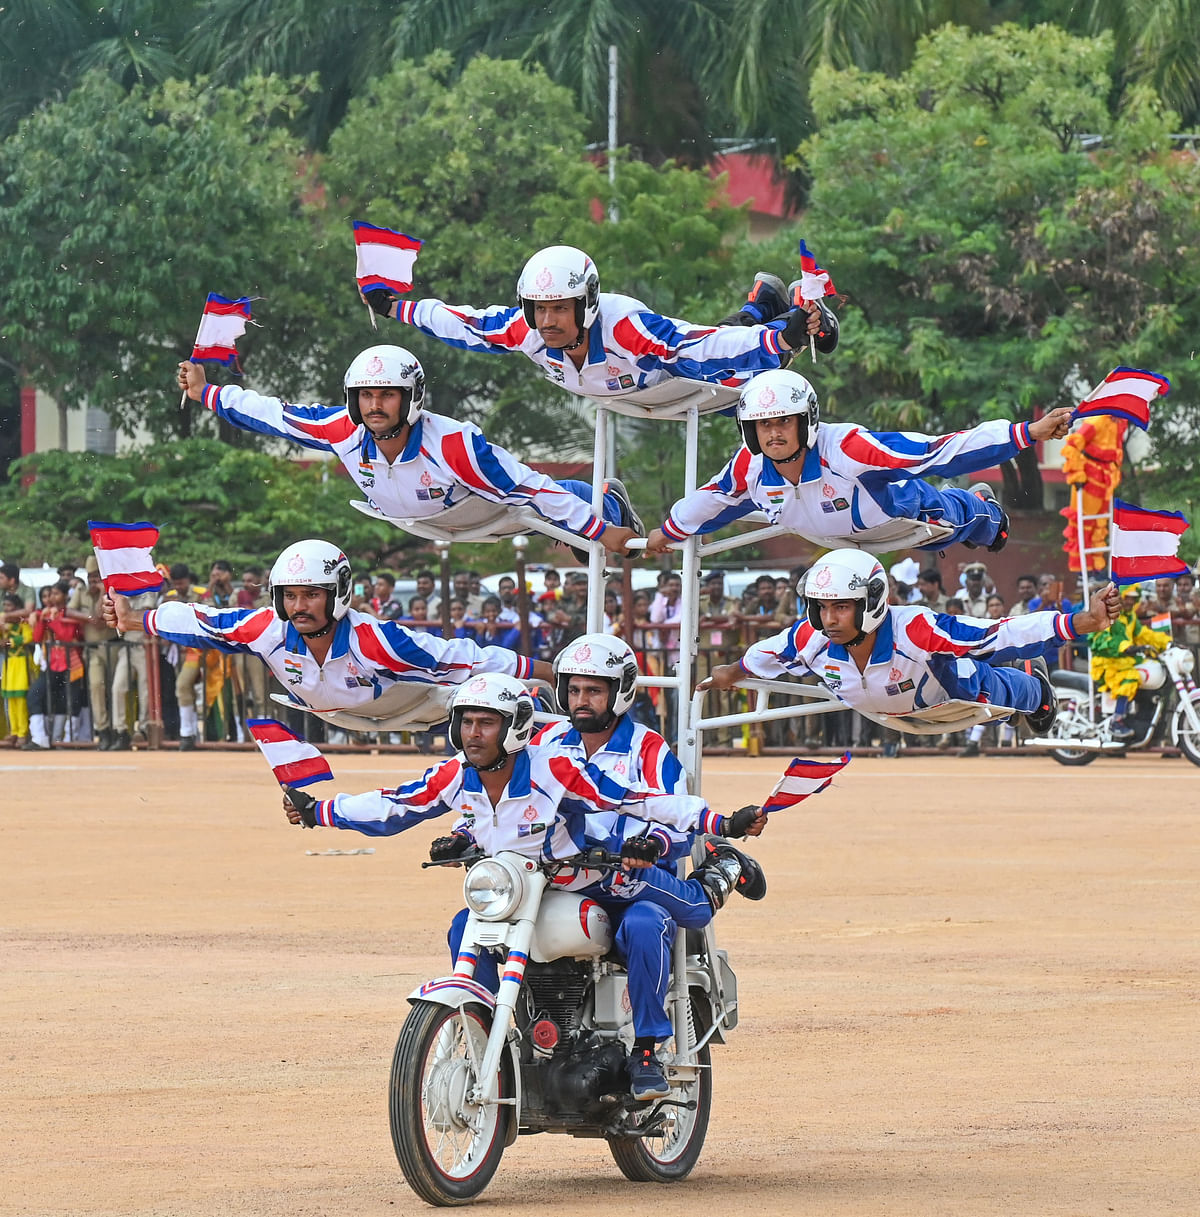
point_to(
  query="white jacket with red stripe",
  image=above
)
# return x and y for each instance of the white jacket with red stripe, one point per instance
(442, 462)
(851, 480)
(367, 659)
(629, 346)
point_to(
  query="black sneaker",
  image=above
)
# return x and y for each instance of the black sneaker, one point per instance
(1042, 719)
(629, 517)
(766, 299)
(981, 490)
(1120, 731)
(646, 1078)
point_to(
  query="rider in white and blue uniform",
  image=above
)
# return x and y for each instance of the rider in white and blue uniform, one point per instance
(901, 659)
(325, 654)
(834, 482)
(541, 803)
(599, 344)
(595, 680)
(408, 463)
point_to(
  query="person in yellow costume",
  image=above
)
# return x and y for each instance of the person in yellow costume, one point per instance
(1115, 655)
(1091, 459)
(16, 669)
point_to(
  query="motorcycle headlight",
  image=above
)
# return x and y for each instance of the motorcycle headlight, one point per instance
(1187, 662)
(492, 890)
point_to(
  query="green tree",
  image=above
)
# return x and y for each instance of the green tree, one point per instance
(988, 260)
(208, 499)
(120, 211)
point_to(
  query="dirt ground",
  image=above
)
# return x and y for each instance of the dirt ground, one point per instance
(972, 989)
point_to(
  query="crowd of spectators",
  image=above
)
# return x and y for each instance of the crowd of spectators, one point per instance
(67, 676)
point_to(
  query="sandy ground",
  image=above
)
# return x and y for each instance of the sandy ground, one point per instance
(971, 990)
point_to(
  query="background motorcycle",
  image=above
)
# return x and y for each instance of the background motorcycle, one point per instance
(1149, 714)
(547, 1053)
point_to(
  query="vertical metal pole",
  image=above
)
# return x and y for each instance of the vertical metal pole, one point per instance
(596, 563)
(519, 545)
(1084, 573)
(687, 744)
(614, 212)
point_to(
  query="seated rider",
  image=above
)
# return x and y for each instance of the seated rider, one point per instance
(897, 659)
(1115, 653)
(834, 482)
(510, 795)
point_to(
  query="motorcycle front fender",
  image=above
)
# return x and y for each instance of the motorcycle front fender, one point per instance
(454, 991)
(459, 991)
(1190, 705)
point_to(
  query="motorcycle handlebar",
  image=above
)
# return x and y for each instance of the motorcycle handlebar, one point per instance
(591, 859)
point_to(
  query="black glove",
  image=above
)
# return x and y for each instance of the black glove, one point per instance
(642, 849)
(444, 848)
(304, 803)
(735, 825)
(796, 335)
(381, 300)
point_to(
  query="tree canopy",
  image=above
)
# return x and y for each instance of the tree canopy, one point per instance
(988, 260)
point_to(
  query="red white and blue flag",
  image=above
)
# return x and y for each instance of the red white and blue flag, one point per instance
(801, 780)
(293, 761)
(124, 558)
(1145, 544)
(222, 323)
(814, 282)
(1127, 393)
(385, 258)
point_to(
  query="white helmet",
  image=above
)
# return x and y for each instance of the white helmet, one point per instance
(385, 367)
(777, 394)
(505, 695)
(600, 655)
(561, 272)
(847, 574)
(312, 563)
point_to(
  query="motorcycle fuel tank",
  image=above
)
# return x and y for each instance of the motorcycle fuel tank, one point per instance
(571, 926)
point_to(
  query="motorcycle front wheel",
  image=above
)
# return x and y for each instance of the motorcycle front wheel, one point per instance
(672, 1153)
(1185, 734)
(448, 1147)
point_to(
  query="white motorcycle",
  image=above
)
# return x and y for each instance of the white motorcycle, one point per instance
(1079, 736)
(547, 1053)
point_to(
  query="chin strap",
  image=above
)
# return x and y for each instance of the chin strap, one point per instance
(578, 341)
(392, 434)
(321, 632)
(498, 763)
(788, 460)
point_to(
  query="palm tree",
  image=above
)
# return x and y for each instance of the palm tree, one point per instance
(47, 45)
(344, 42)
(670, 55)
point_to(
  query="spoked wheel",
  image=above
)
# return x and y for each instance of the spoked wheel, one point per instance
(1186, 736)
(671, 1153)
(1074, 756)
(447, 1146)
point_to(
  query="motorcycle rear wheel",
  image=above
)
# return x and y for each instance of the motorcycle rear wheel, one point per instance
(448, 1148)
(1187, 739)
(673, 1154)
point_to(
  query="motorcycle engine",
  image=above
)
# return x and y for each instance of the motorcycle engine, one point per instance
(575, 1083)
(565, 1084)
